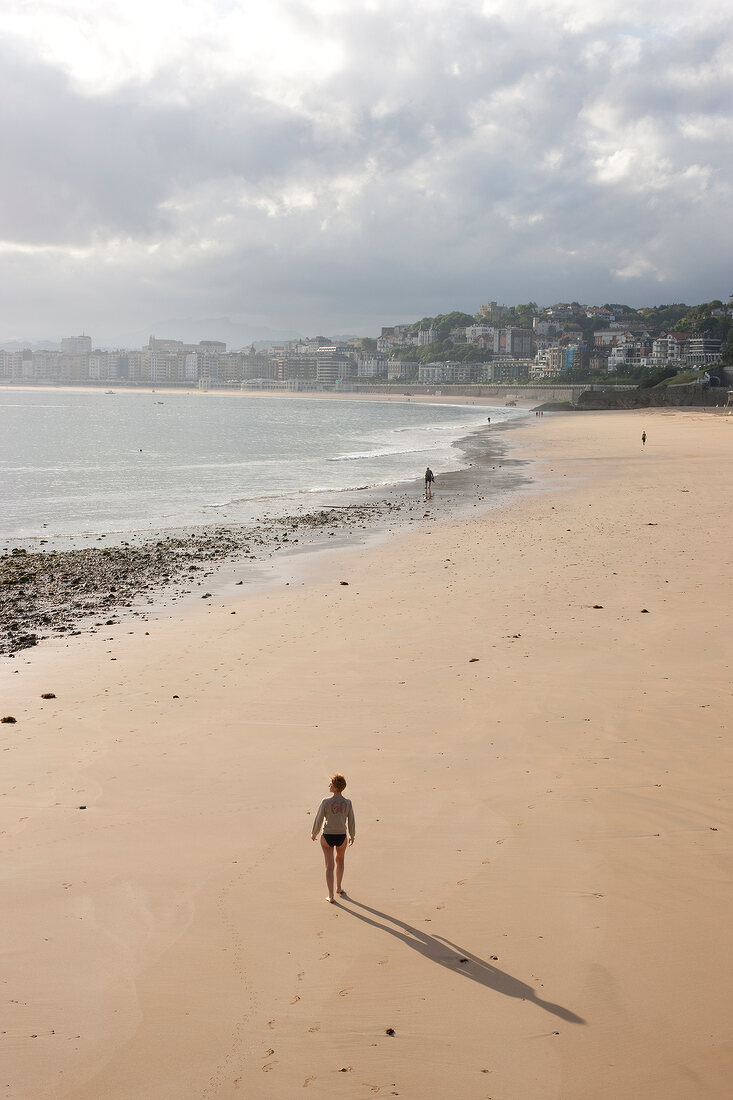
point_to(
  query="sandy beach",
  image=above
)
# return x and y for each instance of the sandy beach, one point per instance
(532, 710)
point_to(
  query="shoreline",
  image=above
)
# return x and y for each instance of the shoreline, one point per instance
(328, 395)
(55, 592)
(532, 707)
(312, 499)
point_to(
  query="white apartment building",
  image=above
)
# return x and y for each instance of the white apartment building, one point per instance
(431, 373)
(541, 369)
(334, 364)
(475, 332)
(398, 369)
(103, 366)
(703, 350)
(47, 365)
(371, 368)
(16, 366)
(191, 367)
(396, 336)
(76, 345)
(463, 373)
(610, 337)
(671, 347)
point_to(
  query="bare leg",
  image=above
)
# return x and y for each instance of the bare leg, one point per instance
(340, 854)
(329, 858)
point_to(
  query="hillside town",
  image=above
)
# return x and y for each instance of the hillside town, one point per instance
(500, 344)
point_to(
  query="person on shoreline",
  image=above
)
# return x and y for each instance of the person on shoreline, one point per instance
(429, 479)
(643, 438)
(336, 814)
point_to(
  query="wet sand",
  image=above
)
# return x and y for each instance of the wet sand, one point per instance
(532, 707)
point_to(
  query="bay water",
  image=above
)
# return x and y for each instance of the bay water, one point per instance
(77, 464)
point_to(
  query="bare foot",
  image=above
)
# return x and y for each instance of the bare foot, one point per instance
(342, 893)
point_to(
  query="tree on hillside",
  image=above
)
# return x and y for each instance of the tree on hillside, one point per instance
(618, 308)
(655, 377)
(701, 319)
(726, 358)
(521, 315)
(444, 322)
(663, 318)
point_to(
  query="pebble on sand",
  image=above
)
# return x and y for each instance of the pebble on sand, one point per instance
(8, 718)
(48, 695)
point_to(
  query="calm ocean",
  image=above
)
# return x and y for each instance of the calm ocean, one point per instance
(77, 464)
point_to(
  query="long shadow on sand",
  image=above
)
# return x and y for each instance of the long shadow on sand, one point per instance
(459, 961)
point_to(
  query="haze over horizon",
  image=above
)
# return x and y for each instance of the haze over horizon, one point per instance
(330, 167)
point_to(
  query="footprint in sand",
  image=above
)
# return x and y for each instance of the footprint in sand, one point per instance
(325, 955)
(268, 1066)
(271, 1025)
(316, 1027)
(301, 975)
(308, 1081)
(295, 999)
(345, 992)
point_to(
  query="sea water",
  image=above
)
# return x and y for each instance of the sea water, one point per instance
(87, 463)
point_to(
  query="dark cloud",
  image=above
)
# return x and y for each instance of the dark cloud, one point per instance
(448, 159)
(84, 166)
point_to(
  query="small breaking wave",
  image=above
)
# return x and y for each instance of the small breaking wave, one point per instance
(360, 456)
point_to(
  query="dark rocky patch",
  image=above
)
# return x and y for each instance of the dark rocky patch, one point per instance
(54, 592)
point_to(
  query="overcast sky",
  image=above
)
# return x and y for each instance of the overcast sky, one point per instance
(197, 168)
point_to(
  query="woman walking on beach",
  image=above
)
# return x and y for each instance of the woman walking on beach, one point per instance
(336, 814)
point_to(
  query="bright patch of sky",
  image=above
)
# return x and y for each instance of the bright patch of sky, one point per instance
(204, 169)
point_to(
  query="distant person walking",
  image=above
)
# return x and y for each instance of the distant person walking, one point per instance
(336, 815)
(429, 479)
(643, 439)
